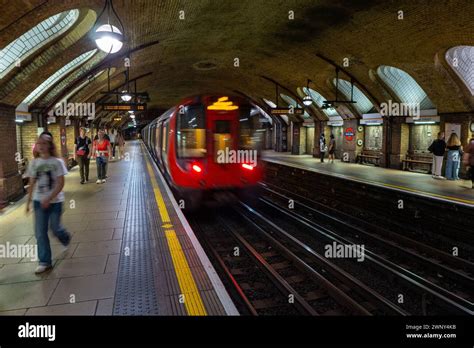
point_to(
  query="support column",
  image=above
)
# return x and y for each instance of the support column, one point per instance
(318, 128)
(350, 134)
(11, 185)
(398, 144)
(296, 135)
(281, 130)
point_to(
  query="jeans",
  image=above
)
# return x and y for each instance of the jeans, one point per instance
(52, 215)
(113, 148)
(101, 167)
(437, 165)
(83, 162)
(453, 163)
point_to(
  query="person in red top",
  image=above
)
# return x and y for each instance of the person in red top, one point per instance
(102, 151)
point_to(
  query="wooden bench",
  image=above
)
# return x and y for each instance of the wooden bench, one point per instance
(369, 157)
(417, 159)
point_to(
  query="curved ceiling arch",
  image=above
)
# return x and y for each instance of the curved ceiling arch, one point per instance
(57, 76)
(363, 104)
(404, 86)
(30, 42)
(461, 60)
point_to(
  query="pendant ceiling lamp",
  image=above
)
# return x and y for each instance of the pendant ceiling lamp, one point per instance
(108, 30)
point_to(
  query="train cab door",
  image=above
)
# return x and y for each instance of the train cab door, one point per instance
(222, 138)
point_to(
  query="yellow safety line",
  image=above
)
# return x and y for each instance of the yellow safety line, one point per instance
(192, 297)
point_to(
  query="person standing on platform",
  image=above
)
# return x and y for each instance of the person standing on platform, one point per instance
(121, 144)
(82, 154)
(113, 139)
(46, 181)
(322, 147)
(468, 160)
(454, 157)
(438, 148)
(102, 151)
(332, 148)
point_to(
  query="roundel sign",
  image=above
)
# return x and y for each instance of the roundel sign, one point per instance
(349, 133)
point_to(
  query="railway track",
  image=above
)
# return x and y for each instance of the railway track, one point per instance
(442, 280)
(322, 290)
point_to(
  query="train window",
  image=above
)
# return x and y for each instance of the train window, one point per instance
(164, 136)
(191, 132)
(249, 138)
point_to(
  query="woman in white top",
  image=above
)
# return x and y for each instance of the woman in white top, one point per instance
(46, 181)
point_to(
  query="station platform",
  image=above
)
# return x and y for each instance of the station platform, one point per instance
(132, 251)
(411, 182)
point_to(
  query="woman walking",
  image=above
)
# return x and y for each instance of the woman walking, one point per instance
(453, 161)
(82, 154)
(121, 145)
(102, 151)
(46, 181)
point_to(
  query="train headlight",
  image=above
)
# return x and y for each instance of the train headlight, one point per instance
(196, 168)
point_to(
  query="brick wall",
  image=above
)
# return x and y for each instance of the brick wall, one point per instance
(10, 181)
(29, 134)
(70, 139)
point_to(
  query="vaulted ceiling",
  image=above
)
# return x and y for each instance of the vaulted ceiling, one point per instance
(174, 58)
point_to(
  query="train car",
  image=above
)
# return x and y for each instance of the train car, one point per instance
(208, 146)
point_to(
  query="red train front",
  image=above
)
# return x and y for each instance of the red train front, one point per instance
(208, 145)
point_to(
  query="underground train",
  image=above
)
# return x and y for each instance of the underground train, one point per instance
(208, 146)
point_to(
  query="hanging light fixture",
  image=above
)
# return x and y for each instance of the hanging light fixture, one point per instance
(126, 97)
(307, 100)
(108, 37)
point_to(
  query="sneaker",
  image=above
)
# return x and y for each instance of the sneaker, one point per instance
(42, 268)
(82, 182)
(103, 181)
(98, 181)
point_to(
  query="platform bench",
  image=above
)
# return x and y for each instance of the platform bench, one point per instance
(410, 160)
(364, 157)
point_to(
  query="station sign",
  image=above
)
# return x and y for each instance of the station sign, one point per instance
(373, 121)
(335, 123)
(123, 107)
(287, 111)
(423, 119)
(349, 133)
(22, 116)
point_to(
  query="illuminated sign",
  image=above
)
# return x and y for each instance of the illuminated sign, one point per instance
(224, 104)
(23, 116)
(124, 107)
(117, 119)
(287, 111)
